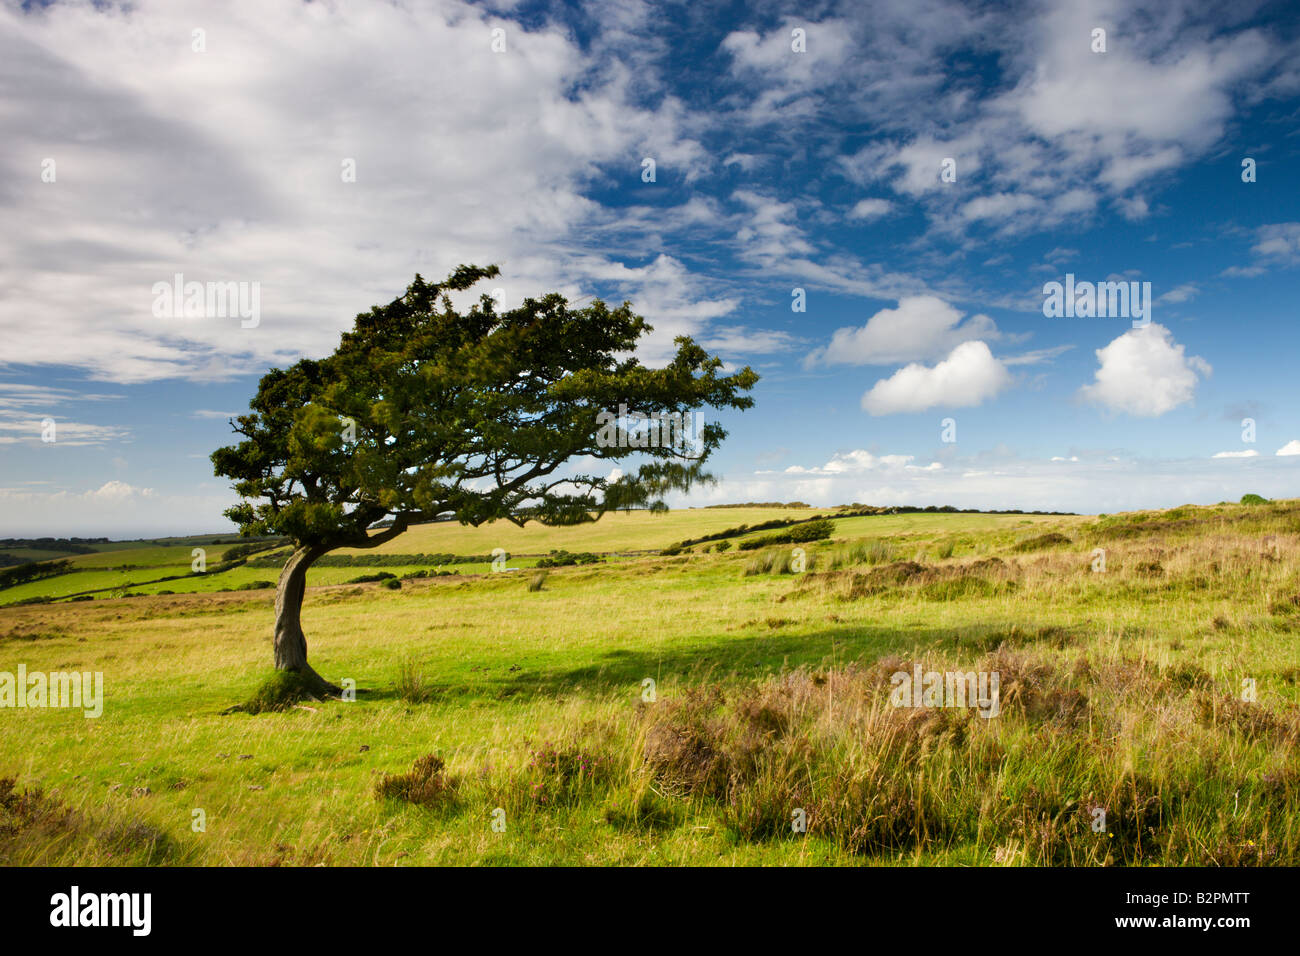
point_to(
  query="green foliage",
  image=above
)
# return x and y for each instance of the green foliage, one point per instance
(23, 573)
(1253, 500)
(811, 531)
(562, 558)
(466, 416)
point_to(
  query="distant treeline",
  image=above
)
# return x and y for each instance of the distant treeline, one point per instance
(69, 545)
(844, 511)
(23, 573)
(374, 560)
(856, 510)
(737, 531)
(765, 504)
(60, 545)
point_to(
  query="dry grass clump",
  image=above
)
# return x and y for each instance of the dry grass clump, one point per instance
(427, 784)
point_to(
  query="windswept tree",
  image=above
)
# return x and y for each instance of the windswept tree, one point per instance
(424, 412)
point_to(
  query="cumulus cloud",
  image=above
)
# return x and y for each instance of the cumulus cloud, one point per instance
(968, 376)
(463, 156)
(1290, 448)
(1248, 453)
(1145, 373)
(922, 327)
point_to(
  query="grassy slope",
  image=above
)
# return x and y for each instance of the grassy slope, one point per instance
(485, 673)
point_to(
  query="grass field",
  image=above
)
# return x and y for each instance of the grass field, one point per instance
(1121, 690)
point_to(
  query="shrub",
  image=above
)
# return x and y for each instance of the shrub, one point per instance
(560, 559)
(370, 578)
(563, 776)
(427, 784)
(1052, 539)
(1253, 500)
(809, 531)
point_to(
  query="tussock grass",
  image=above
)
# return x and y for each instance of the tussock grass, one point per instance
(426, 785)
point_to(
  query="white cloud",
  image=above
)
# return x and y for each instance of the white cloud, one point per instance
(867, 209)
(24, 410)
(214, 414)
(1145, 373)
(968, 376)
(861, 460)
(117, 491)
(1179, 294)
(742, 340)
(785, 74)
(462, 156)
(1279, 242)
(1248, 453)
(1290, 448)
(922, 327)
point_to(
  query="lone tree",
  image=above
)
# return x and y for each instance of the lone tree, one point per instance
(424, 413)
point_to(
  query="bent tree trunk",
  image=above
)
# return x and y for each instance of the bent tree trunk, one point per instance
(290, 642)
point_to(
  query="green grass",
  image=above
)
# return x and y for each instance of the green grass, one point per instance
(1120, 689)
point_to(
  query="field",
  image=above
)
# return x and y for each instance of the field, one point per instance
(1154, 681)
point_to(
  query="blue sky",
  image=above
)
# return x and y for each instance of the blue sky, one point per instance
(794, 147)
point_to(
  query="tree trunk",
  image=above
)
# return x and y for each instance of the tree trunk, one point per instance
(290, 642)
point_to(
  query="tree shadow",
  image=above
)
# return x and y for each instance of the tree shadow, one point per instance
(740, 656)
